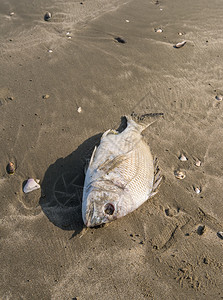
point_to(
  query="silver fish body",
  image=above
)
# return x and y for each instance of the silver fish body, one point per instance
(120, 177)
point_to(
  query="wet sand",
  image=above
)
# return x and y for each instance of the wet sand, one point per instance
(159, 251)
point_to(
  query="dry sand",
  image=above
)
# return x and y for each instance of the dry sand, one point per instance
(158, 251)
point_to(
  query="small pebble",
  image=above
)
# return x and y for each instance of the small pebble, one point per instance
(159, 30)
(10, 168)
(45, 96)
(50, 50)
(179, 174)
(219, 97)
(220, 234)
(201, 229)
(127, 21)
(198, 163)
(79, 110)
(12, 13)
(47, 16)
(183, 157)
(179, 45)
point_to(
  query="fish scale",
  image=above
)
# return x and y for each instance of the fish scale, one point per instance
(120, 176)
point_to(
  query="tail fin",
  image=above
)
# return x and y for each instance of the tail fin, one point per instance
(143, 121)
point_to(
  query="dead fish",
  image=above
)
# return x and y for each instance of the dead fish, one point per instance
(179, 45)
(121, 174)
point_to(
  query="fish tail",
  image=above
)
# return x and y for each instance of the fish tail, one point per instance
(143, 121)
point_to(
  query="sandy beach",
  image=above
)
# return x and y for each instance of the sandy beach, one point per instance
(63, 83)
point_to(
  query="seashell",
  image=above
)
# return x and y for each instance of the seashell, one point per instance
(120, 40)
(220, 234)
(183, 157)
(11, 13)
(219, 97)
(10, 168)
(50, 50)
(179, 174)
(179, 45)
(127, 21)
(47, 16)
(79, 110)
(30, 186)
(197, 190)
(46, 96)
(159, 30)
(198, 163)
(180, 33)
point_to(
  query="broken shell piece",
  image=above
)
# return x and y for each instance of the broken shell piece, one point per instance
(46, 96)
(179, 45)
(159, 30)
(179, 174)
(183, 157)
(30, 186)
(47, 16)
(219, 97)
(220, 234)
(198, 163)
(197, 190)
(79, 110)
(10, 168)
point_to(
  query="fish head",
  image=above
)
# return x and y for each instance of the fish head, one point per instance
(100, 207)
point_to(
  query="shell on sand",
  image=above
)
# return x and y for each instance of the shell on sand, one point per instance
(179, 45)
(30, 186)
(179, 174)
(198, 163)
(197, 190)
(219, 97)
(10, 168)
(183, 157)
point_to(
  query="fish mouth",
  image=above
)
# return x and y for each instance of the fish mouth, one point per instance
(92, 220)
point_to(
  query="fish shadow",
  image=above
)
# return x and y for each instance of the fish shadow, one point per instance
(62, 187)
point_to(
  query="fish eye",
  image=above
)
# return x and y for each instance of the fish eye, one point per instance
(109, 209)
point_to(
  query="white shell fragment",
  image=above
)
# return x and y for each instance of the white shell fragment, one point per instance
(197, 190)
(79, 110)
(12, 13)
(183, 157)
(159, 30)
(198, 163)
(180, 33)
(179, 45)
(50, 50)
(127, 21)
(179, 174)
(219, 97)
(30, 186)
